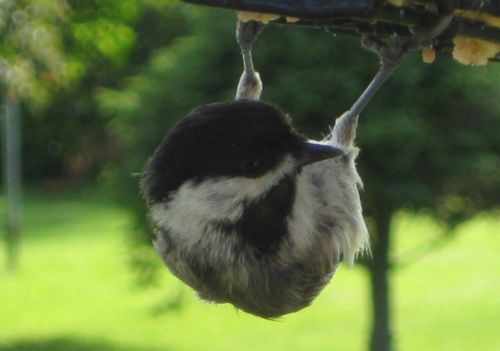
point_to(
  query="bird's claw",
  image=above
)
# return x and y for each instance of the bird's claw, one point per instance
(247, 32)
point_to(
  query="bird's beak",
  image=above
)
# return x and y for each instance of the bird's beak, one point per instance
(315, 152)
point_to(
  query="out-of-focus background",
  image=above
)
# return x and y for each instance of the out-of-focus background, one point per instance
(94, 86)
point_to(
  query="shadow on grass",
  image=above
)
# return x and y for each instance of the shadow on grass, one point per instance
(64, 344)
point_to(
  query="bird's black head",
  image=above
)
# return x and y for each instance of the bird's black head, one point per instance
(241, 138)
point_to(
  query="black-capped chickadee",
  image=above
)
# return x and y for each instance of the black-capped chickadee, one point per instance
(248, 211)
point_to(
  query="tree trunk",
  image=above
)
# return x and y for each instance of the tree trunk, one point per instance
(12, 178)
(381, 336)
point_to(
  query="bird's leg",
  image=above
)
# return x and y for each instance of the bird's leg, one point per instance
(390, 56)
(250, 85)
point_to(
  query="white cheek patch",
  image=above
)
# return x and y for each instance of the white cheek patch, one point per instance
(195, 205)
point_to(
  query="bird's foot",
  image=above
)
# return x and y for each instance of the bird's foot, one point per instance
(247, 32)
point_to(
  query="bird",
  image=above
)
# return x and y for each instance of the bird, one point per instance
(248, 211)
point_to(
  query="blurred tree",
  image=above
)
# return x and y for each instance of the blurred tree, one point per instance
(429, 140)
(32, 67)
(54, 54)
(65, 140)
(32, 63)
(429, 143)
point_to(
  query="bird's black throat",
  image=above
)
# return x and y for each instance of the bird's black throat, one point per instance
(263, 224)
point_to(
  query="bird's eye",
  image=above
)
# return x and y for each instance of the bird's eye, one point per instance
(253, 166)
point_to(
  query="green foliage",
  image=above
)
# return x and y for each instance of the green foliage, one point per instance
(49, 44)
(104, 28)
(429, 141)
(32, 64)
(67, 140)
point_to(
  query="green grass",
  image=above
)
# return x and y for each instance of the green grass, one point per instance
(74, 292)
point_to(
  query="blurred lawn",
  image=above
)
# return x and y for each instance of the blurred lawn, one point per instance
(74, 292)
